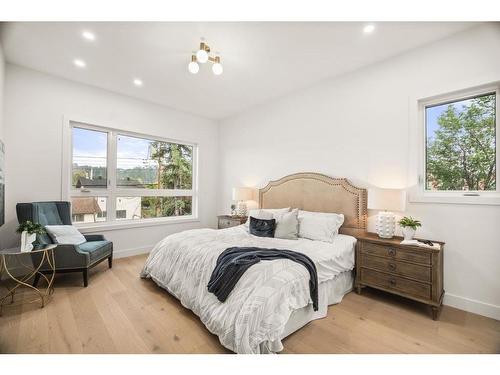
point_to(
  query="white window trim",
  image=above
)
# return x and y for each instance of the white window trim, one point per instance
(418, 193)
(67, 191)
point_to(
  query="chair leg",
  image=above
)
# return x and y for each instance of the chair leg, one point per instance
(110, 261)
(85, 277)
(36, 280)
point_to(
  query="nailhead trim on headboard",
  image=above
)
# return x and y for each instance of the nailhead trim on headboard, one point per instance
(359, 194)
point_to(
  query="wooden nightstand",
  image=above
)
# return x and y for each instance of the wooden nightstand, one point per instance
(410, 271)
(228, 221)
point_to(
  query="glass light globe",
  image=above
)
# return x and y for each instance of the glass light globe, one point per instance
(193, 67)
(202, 56)
(217, 69)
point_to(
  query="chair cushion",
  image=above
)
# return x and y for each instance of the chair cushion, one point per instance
(96, 249)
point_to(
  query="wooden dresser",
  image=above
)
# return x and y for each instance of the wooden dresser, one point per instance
(228, 221)
(414, 272)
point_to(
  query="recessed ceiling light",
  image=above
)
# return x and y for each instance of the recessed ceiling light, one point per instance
(88, 35)
(138, 82)
(368, 29)
(79, 63)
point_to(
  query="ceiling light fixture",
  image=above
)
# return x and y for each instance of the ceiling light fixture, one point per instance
(368, 29)
(193, 66)
(138, 82)
(202, 56)
(79, 63)
(88, 35)
(217, 67)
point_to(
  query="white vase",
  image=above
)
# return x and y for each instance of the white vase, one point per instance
(408, 233)
(27, 241)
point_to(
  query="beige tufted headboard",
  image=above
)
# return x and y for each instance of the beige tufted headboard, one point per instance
(319, 193)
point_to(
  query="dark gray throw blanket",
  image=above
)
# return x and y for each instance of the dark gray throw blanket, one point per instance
(234, 261)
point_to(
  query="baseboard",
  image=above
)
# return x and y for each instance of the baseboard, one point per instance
(131, 252)
(473, 306)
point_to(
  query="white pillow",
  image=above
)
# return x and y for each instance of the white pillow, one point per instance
(65, 234)
(287, 225)
(319, 226)
(265, 214)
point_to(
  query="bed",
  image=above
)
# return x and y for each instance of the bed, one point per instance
(272, 299)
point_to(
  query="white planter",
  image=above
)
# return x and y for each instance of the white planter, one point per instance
(408, 233)
(27, 241)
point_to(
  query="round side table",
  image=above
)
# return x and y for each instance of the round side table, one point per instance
(45, 258)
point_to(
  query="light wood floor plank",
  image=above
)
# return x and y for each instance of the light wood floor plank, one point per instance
(121, 313)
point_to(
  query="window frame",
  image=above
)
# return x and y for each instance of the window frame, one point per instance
(454, 196)
(112, 191)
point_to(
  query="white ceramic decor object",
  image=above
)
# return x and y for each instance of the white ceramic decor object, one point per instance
(241, 208)
(385, 224)
(27, 241)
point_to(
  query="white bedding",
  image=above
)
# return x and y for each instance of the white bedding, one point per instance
(260, 305)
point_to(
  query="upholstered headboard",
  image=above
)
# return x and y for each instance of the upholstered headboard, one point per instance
(319, 193)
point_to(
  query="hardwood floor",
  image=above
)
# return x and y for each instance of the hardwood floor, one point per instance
(121, 313)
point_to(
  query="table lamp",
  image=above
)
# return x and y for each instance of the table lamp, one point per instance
(388, 200)
(242, 194)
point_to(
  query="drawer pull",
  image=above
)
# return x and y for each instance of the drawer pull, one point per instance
(392, 266)
(392, 282)
(392, 252)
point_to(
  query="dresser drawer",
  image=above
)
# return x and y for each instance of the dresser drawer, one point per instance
(228, 223)
(415, 271)
(394, 253)
(413, 288)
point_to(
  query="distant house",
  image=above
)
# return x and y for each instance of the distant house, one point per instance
(85, 210)
(94, 209)
(101, 182)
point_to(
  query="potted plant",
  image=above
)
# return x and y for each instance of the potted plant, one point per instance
(28, 232)
(409, 226)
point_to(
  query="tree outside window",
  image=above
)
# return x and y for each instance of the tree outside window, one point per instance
(461, 145)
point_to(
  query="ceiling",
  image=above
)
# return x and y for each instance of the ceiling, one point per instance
(261, 60)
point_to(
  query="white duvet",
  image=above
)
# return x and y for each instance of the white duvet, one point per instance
(259, 306)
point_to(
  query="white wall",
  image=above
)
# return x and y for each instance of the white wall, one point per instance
(35, 104)
(357, 126)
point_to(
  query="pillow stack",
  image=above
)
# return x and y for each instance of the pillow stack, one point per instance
(319, 226)
(292, 224)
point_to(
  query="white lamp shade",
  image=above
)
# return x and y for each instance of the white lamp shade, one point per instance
(387, 199)
(242, 194)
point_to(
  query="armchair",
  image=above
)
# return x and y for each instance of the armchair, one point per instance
(68, 258)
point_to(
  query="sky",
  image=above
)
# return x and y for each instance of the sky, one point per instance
(90, 148)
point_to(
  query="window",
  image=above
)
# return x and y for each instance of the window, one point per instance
(89, 158)
(78, 218)
(460, 145)
(118, 176)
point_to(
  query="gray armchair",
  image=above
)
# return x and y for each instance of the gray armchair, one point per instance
(68, 258)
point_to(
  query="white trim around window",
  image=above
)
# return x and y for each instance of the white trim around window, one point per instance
(112, 191)
(418, 192)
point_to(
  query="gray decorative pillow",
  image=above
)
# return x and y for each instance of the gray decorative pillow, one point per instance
(287, 225)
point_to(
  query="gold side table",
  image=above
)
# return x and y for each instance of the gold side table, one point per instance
(43, 257)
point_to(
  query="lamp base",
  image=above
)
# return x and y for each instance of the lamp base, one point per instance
(385, 224)
(241, 208)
